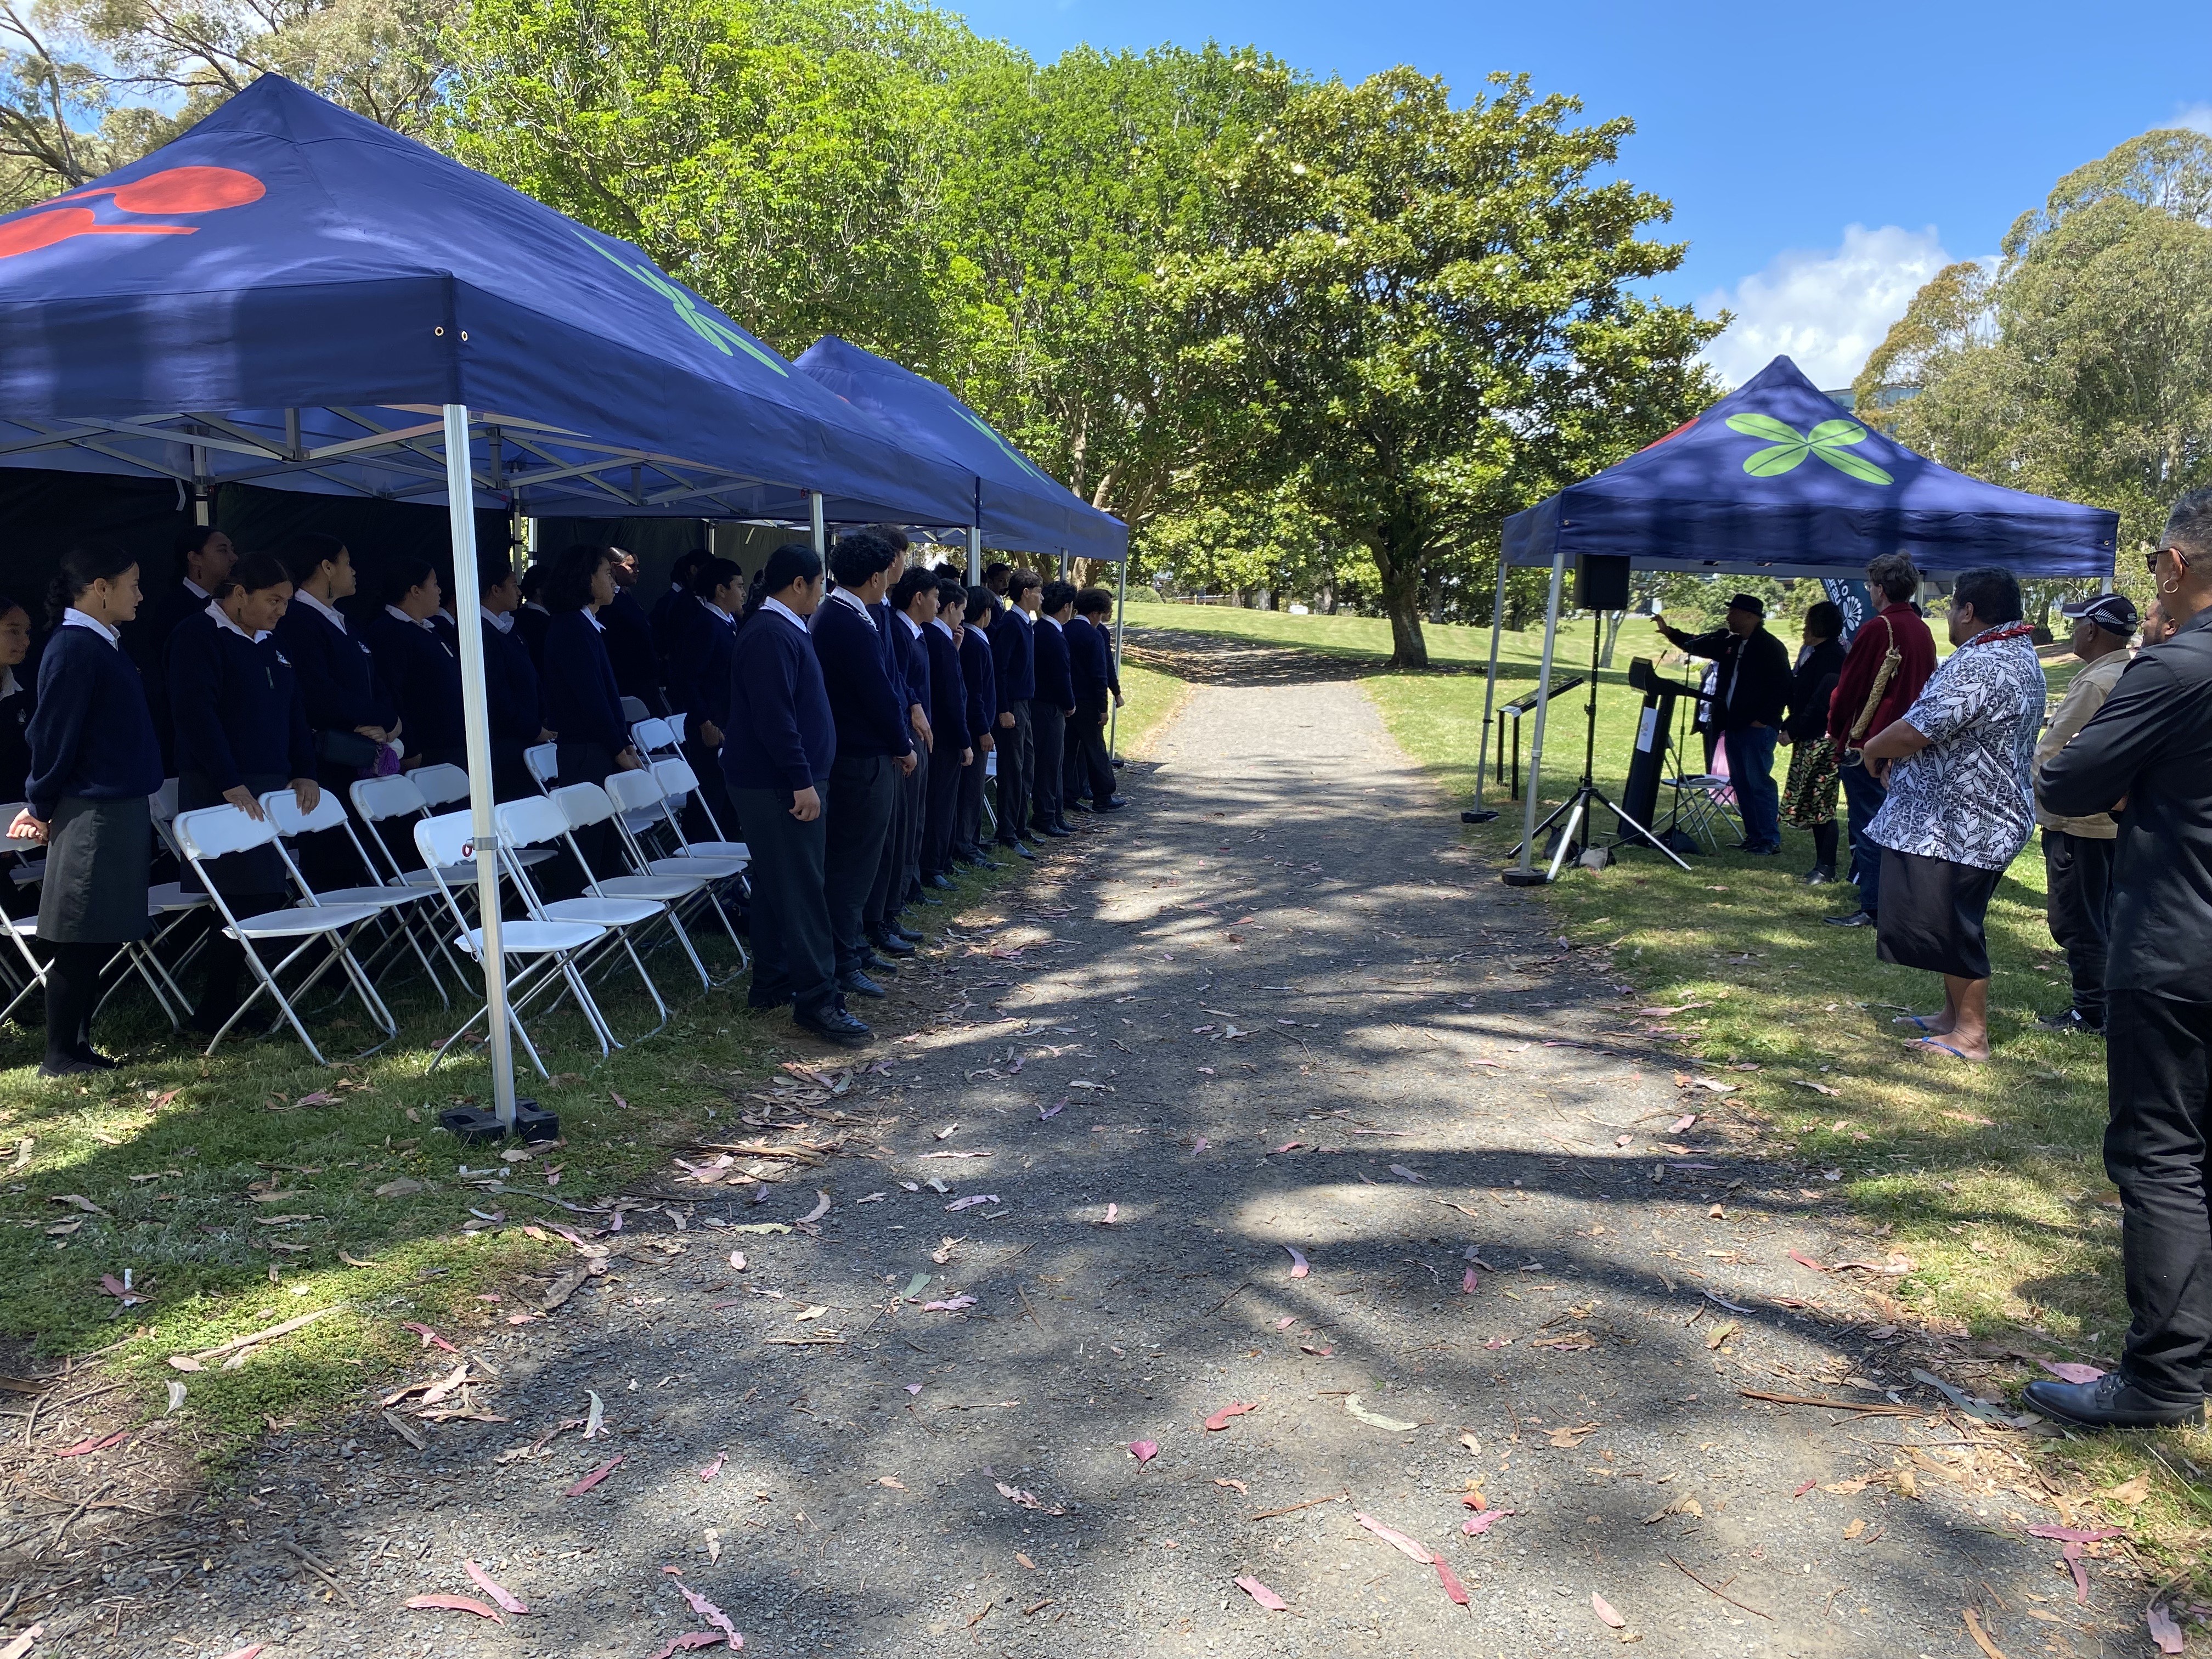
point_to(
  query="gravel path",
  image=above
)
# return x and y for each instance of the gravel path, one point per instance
(1267, 1011)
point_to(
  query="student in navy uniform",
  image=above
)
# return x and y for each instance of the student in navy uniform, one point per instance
(1013, 656)
(898, 874)
(17, 699)
(1088, 768)
(948, 719)
(532, 621)
(420, 668)
(701, 637)
(242, 731)
(776, 754)
(203, 558)
(672, 611)
(581, 701)
(1050, 710)
(913, 604)
(95, 760)
(874, 751)
(351, 713)
(980, 673)
(514, 708)
(630, 637)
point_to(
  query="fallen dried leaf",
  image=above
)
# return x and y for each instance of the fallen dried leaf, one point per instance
(455, 1604)
(1027, 1500)
(1603, 1610)
(689, 1640)
(973, 1200)
(1405, 1174)
(1144, 1451)
(1475, 1525)
(2163, 1629)
(892, 1481)
(950, 1304)
(2130, 1492)
(1396, 1425)
(1240, 1486)
(428, 1335)
(1395, 1539)
(2067, 1370)
(1220, 1418)
(1299, 1267)
(713, 1614)
(498, 1593)
(714, 1468)
(1981, 1637)
(1453, 1587)
(594, 1477)
(821, 1207)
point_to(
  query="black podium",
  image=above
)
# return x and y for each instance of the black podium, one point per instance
(1647, 763)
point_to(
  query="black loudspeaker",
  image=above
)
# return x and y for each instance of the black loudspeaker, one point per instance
(1601, 582)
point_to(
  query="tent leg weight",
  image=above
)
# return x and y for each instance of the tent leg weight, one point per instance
(475, 1125)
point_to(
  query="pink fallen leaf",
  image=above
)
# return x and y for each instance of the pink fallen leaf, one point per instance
(1027, 1500)
(1112, 1211)
(2077, 1535)
(914, 1387)
(1299, 1267)
(445, 1603)
(1475, 1525)
(1266, 1597)
(1802, 1490)
(1403, 1172)
(1603, 1610)
(499, 1593)
(1469, 1281)
(1804, 1261)
(111, 1285)
(970, 1202)
(1892, 1268)
(689, 1640)
(428, 1336)
(593, 1477)
(320, 1097)
(821, 1207)
(2067, 1370)
(2163, 1629)
(1201, 1144)
(738, 1259)
(1144, 1451)
(1494, 1343)
(950, 1304)
(713, 1614)
(1318, 1353)
(1453, 1587)
(2073, 1554)
(1395, 1539)
(1287, 1322)
(1044, 1112)
(1220, 1418)
(1681, 1123)
(1287, 1146)
(242, 1653)
(714, 1468)
(83, 1447)
(1242, 1488)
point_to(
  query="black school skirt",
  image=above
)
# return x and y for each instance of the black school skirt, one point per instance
(99, 856)
(1932, 914)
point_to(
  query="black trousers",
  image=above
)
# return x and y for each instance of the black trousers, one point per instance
(943, 798)
(861, 794)
(601, 843)
(967, 810)
(1047, 734)
(888, 896)
(794, 959)
(1088, 770)
(2078, 875)
(1017, 764)
(2158, 1064)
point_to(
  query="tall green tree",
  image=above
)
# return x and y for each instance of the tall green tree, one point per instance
(1428, 311)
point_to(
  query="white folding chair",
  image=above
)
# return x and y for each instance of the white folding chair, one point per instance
(582, 805)
(282, 807)
(544, 760)
(678, 780)
(537, 823)
(170, 906)
(634, 710)
(658, 737)
(214, 832)
(643, 808)
(540, 955)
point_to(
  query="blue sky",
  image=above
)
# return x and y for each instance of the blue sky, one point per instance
(1824, 158)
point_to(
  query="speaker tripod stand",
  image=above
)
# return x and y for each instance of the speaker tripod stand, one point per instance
(1579, 809)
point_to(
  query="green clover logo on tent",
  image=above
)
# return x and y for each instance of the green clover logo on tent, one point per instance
(709, 327)
(1831, 440)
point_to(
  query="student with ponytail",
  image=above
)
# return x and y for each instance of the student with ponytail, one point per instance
(95, 760)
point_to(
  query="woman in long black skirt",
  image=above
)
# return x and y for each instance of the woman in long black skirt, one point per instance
(94, 759)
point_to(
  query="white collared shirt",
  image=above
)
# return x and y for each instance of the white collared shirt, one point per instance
(913, 628)
(944, 628)
(858, 604)
(196, 590)
(337, 617)
(74, 617)
(222, 620)
(717, 611)
(1056, 627)
(503, 620)
(9, 686)
(785, 612)
(591, 616)
(423, 623)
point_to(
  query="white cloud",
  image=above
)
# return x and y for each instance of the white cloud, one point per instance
(1827, 308)
(2197, 118)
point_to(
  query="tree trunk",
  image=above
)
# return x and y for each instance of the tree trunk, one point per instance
(1402, 602)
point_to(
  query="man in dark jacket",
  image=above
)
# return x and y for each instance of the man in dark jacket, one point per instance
(512, 708)
(351, 712)
(981, 675)
(1089, 767)
(629, 638)
(914, 602)
(873, 750)
(948, 720)
(1013, 660)
(2145, 756)
(1748, 706)
(1050, 708)
(905, 663)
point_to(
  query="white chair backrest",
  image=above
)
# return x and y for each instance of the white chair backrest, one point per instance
(675, 776)
(210, 832)
(440, 785)
(283, 809)
(543, 760)
(649, 735)
(163, 801)
(634, 792)
(441, 839)
(527, 823)
(583, 803)
(378, 799)
(634, 710)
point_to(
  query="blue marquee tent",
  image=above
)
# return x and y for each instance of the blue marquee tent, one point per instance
(1777, 479)
(1019, 507)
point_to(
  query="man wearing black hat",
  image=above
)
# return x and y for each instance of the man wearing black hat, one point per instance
(1748, 704)
(2077, 852)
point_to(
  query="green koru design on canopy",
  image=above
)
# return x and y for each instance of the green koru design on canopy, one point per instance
(1829, 441)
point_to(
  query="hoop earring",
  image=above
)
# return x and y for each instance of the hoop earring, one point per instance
(2169, 588)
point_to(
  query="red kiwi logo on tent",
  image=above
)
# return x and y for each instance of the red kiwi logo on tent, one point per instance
(169, 192)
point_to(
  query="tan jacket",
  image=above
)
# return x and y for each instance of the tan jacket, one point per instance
(2093, 684)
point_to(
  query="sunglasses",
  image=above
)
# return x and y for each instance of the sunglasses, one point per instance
(2151, 559)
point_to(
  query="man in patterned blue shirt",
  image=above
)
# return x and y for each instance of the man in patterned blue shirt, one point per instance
(1957, 767)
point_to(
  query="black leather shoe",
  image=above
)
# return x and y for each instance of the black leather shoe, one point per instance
(1019, 849)
(858, 984)
(892, 943)
(905, 934)
(1818, 877)
(876, 965)
(833, 1024)
(937, 883)
(2111, 1402)
(2071, 1019)
(1112, 804)
(1054, 832)
(1857, 919)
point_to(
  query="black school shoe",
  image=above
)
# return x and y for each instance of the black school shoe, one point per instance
(876, 965)
(1019, 849)
(858, 984)
(2111, 1402)
(891, 944)
(1857, 919)
(2071, 1019)
(833, 1025)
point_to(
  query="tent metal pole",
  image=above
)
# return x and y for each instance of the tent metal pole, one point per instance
(974, 556)
(1120, 621)
(1490, 688)
(1543, 704)
(821, 530)
(475, 720)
